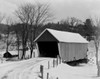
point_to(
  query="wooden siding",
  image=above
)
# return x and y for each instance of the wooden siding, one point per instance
(72, 51)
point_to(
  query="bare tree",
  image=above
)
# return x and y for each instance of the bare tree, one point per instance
(97, 42)
(8, 39)
(32, 15)
(72, 21)
(16, 29)
(23, 13)
(40, 14)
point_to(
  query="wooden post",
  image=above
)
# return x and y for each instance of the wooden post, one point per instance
(57, 78)
(57, 61)
(60, 60)
(47, 75)
(48, 65)
(53, 62)
(41, 71)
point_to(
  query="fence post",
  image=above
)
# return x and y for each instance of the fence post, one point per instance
(48, 65)
(47, 75)
(41, 71)
(53, 62)
(57, 78)
(57, 59)
(60, 60)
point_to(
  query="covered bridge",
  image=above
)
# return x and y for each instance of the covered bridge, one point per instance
(69, 46)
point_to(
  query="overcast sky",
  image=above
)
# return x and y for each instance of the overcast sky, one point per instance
(62, 9)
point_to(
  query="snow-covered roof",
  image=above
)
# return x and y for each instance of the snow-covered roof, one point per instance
(63, 36)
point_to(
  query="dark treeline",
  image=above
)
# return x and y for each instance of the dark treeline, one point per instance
(86, 29)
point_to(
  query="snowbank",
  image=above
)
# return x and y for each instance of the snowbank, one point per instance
(64, 71)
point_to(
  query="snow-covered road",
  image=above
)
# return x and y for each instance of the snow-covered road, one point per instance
(20, 69)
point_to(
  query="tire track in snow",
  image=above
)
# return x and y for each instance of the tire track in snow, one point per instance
(23, 70)
(17, 69)
(26, 73)
(16, 72)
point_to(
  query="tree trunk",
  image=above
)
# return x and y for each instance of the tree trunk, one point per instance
(33, 35)
(31, 50)
(23, 54)
(97, 63)
(18, 51)
(7, 46)
(23, 49)
(18, 46)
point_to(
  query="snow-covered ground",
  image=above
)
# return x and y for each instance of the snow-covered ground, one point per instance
(30, 69)
(25, 69)
(85, 71)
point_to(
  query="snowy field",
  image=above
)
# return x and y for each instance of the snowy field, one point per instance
(26, 69)
(30, 69)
